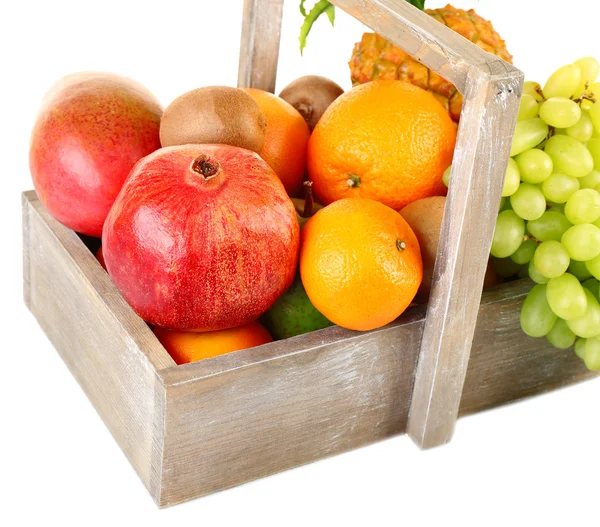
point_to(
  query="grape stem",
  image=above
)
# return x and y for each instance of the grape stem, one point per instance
(585, 96)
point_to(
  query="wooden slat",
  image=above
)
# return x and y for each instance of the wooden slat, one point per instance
(259, 49)
(491, 89)
(258, 411)
(108, 349)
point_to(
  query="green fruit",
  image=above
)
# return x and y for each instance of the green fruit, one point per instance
(293, 314)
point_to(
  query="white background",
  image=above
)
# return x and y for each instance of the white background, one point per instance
(533, 463)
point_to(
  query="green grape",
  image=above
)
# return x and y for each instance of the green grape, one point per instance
(537, 318)
(592, 180)
(523, 271)
(512, 179)
(560, 336)
(525, 252)
(535, 274)
(560, 112)
(566, 297)
(528, 202)
(528, 134)
(446, 176)
(550, 226)
(558, 188)
(589, 68)
(595, 115)
(583, 206)
(508, 235)
(593, 286)
(579, 269)
(593, 146)
(534, 165)
(569, 156)
(563, 82)
(583, 129)
(505, 267)
(588, 325)
(557, 207)
(582, 241)
(580, 348)
(529, 107)
(502, 204)
(534, 89)
(551, 259)
(591, 355)
(593, 266)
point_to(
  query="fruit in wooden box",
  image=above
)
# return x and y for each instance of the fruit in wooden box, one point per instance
(215, 115)
(286, 141)
(395, 151)
(201, 238)
(91, 130)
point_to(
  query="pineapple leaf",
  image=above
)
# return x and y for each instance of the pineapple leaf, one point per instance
(419, 4)
(322, 6)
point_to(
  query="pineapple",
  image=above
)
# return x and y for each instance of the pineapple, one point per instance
(376, 58)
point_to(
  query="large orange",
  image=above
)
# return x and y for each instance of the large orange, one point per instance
(286, 141)
(185, 346)
(385, 140)
(360, 263)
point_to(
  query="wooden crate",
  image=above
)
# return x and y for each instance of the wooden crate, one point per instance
(198, 428)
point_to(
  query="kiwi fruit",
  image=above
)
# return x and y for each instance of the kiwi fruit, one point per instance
(425, 218)
(214, 115)
(311, 95)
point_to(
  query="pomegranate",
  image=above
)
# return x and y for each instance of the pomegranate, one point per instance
(201, 238)
(91, 130)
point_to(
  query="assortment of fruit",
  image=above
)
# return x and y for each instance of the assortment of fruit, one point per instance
(236, 207)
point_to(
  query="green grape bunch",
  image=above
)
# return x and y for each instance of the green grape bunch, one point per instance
(548, 225)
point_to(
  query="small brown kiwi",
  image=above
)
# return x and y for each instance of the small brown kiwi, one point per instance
(311, 95)
(214, 115)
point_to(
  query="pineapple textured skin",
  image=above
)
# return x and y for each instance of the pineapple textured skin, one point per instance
(376, 58)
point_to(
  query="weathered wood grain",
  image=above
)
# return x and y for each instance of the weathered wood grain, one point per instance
(259, 411)
(110, 351)
(491, 90)
(259, 49)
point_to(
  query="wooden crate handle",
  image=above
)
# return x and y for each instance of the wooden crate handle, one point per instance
(259, 47)
(492, 89)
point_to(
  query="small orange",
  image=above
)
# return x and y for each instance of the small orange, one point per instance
(360, 263)
(286, 141)
(185, 346)
(386, 140)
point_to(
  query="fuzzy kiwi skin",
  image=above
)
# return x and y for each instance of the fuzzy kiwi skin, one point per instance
(311, 95)
(214, 115)
(425, 218)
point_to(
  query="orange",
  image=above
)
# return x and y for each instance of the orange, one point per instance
(385, 140)
(286, 141)
(185, 346)
(360, 263)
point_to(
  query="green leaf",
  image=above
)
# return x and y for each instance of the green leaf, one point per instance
(419, 4)
(330, 11)
(322, 6)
